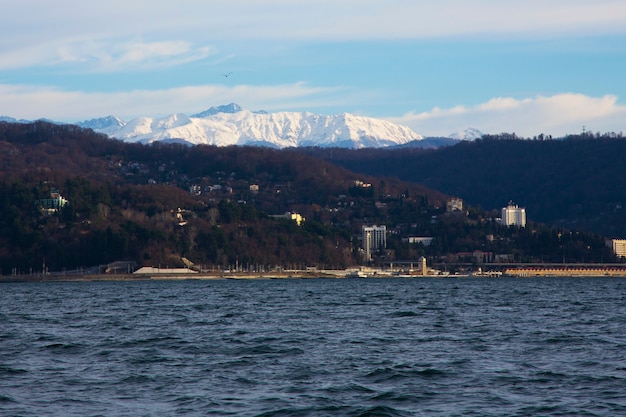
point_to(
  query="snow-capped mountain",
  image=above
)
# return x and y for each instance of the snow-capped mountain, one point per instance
(232, 125)
(106, 125)
(227, 108)
(8, 119)
(470, 133)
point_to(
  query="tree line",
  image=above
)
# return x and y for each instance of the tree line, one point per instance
(133, 202)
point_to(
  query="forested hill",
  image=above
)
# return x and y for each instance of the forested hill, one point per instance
(576, 182)
(73, 199)
(155, 204)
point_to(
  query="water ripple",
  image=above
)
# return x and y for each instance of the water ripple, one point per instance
(402, 347)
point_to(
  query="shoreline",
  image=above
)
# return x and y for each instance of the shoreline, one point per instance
(283, 275)
(179, 274)
(164, 277)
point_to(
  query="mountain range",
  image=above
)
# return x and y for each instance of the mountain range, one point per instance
(231, 125)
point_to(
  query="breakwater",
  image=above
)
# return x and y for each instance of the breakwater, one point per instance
(566, 271)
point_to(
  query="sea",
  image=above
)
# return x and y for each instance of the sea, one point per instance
(315, 347)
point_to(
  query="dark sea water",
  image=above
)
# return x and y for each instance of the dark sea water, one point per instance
(359, 347)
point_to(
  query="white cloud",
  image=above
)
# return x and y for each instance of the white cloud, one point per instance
(116, 35)
(557, 115)
(142, 55)
(33, 22)
(33, 102)
(105, 56)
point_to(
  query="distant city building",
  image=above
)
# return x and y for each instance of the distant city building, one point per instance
(374, 238)
(53, 204)
(454, 204)
(423, 266)
(359, 183)
(512, 215)
(618, 246)
(195, 189)
(296, 217)
(426, 241)
(179, 216)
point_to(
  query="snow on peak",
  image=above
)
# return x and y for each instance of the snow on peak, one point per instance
(227, 108)
(172, 121)
(470, 133)
(106, 125)
(232, 125)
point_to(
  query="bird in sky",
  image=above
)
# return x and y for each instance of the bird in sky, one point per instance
(227, 74)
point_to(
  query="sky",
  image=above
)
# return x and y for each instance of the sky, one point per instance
(539, 66)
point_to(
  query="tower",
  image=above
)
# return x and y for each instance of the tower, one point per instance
(512, 215)
(374, 238)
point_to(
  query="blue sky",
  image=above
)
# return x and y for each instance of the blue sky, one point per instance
(549, 66)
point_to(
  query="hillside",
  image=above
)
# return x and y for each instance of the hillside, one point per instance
(575, 182)
(156, 204)
(73, 199)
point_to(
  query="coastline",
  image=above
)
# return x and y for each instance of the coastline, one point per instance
(519, 273)
(358, 272)
(164, 277)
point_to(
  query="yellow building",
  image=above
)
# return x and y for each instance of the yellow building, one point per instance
(618, 246)
(296, 217)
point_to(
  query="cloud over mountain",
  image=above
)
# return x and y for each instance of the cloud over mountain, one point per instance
(558, 115)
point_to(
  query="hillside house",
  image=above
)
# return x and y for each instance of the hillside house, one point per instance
(49, 206)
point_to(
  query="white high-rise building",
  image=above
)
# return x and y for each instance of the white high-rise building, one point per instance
(512, 215)
(374, 238)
